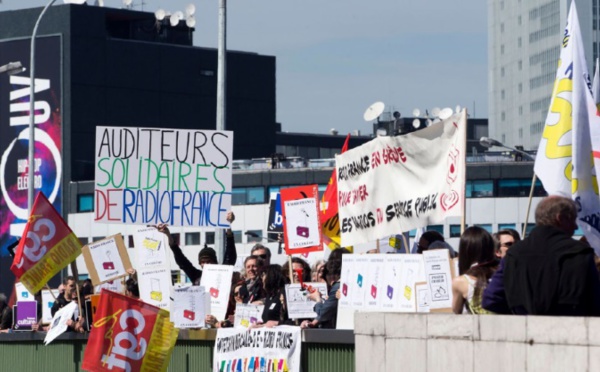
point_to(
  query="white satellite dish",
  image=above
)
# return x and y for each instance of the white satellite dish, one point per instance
(127, 3)
(179, 14)
(190, 21)
(445, 113)
(174, 19)
(190, 9)
(435, 112)
(160, 14)
(429, 122)
(457, 109)
(374, 111)
(416, 112)
(416, 123)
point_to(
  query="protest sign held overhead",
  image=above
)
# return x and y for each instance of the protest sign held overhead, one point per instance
(48, 245)
(259, 349)
(152, 175)
(395, 184)
(301, 224)
(129, 335)
(107, 259)
(150, 247)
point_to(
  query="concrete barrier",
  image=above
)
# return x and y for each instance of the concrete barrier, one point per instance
(462, 343)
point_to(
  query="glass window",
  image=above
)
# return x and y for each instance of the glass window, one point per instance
(83, 241)
(237, 236)
(254, 236)
(486, 226)
(519, 187)
(504, 226)
(438, 228)
(238, 196)
(85, 203)
(192, 238)
(482, 189)
(412, 233)
(455, 231)
(210, 237)
(255, 195)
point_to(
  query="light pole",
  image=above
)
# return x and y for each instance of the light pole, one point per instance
(221, 89)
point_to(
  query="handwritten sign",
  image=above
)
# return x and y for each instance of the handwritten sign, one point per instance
(155, 286)
(439, 272)
(298, 304)
(188, 307)
(430, 166)
(216, 279)
(154, 175)
(106, 259)
(247, 315)
(150, 247)
(300, 208)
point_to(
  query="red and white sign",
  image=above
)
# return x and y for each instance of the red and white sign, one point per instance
(301, 219)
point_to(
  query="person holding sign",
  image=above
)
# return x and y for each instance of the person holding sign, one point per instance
(274, 282)
(476, 265)
(207, 255)
(326, 309)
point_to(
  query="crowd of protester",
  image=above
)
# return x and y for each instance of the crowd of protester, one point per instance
(546, 273)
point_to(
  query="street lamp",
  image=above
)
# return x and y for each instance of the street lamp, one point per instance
(12, 68)
(490, 142)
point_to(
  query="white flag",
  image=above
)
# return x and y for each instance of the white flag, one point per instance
(564, 163)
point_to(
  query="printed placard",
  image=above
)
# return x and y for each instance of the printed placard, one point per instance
(25, 315)
(247, 315)
(439, 273)
(47, 303)
(23, 293)
(150, 247)
(111, 285)
(106, 259)
(301, 223)
(299, 306)
(58, 325)
(423, 297)
(155, 286)
(155, 175)
(216, 279)
(189, 307)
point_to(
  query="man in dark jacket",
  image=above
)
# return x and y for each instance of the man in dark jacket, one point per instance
(207, 255)
(547, 273)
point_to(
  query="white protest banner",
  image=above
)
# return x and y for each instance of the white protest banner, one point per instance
(423, 297)
(259, 349)
(150, 247)
(247, 315)
(154, 175)
(47, 303)
(107, 259)
(299, 306)
(188, 307)
(155, 286)
(58, 326)
(430, 166)
(216, 279)
(439, 273)
(23, 293)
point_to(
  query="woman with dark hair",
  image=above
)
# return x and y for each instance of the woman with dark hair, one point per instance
(298, 265)
(476, 265)
(274, 283)
(131, 288)
(326, 309)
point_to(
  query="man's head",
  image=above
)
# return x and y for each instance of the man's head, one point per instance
(559, 212)
(207, 255)
(504, 240)
(427, 238)
(262, 252)
(69, 284)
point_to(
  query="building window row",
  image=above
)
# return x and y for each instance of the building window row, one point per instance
(545, 10)
(509, 187)
(538, 35)
(536, 128)
(540, 104)
(551, 54)
(542, 80)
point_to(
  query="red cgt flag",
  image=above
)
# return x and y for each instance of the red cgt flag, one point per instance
(47, 246)
(129, 335)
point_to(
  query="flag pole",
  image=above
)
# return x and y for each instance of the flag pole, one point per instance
(463, 218)
(533, 180)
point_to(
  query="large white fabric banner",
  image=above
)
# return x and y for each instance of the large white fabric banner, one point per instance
(395, 184)
(154, 175)
(260, 349)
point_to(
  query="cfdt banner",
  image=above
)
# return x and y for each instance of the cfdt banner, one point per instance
(152, 175)
(14, 132)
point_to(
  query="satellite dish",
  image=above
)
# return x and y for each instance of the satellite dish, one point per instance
(436, 120)
(190, 9)
(190, 21)
(429, 122)
(397, 115)
(457, 109)
(374, 111)
(445, 113)
(416, 123)
(416, 112)
(160, 14)
(174, 19)
(179, 14)
(127, 3)
(435, 112)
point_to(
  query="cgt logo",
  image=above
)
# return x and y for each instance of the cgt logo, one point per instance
(125, 346)
(42, 231)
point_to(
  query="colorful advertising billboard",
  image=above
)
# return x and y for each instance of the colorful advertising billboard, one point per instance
(14, 132)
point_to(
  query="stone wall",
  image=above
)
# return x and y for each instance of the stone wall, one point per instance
(462, 343)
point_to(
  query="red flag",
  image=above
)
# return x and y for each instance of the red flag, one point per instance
(48, 245)
(129, 335)
(329, 202)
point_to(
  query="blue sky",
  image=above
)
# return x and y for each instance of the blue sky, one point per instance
(336, 57)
